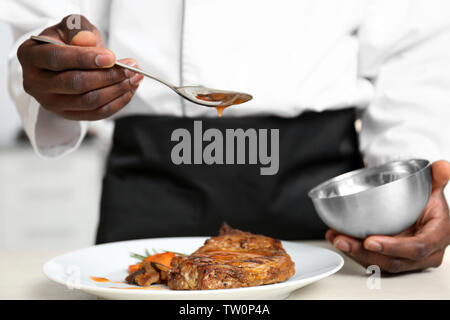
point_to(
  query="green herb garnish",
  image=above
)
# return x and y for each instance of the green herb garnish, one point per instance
(138, 256)
(148, 254)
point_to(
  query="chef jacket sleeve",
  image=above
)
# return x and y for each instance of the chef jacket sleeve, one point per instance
(404, 51)
(49, 134)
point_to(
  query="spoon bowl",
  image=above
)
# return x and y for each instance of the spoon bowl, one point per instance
(212, 97)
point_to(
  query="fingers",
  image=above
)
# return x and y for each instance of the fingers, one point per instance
(86, 39)
(79, 82)
(431, 237)
(58, 58)
(414, 248)
(103, 112)
(330, 235)
(75, 81)
(76, 30)
(86, 51)
(91, 100)
(85, 95)
(355, 249)
(441, 174)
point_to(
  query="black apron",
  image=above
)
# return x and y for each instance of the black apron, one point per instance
(146, 195)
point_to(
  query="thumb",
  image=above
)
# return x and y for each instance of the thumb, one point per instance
(441, 174)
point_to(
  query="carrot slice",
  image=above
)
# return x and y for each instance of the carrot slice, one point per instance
(134, 267)
(162, 258)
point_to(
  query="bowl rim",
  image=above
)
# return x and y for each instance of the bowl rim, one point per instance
(313, 192)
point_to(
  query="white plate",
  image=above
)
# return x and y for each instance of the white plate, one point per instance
(111, 260)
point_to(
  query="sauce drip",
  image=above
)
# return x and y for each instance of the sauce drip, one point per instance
(220, 110)
(139, 288)
(225, 99)
(100, 279)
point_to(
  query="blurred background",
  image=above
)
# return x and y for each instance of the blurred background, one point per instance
(48, 204)
(45, 204)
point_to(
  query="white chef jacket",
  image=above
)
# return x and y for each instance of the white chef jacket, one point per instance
(389, 58)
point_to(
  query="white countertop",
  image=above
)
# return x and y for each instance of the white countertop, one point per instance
(21, 277)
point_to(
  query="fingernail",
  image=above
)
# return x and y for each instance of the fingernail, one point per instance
(342, 245)
(135, 80)
(373, 246)
(331, 235)
(129, 73)
(104, 60)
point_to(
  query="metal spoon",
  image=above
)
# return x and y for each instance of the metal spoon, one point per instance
(207, 97)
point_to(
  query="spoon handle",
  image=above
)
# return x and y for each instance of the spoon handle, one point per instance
(144, 73)
(117, 63)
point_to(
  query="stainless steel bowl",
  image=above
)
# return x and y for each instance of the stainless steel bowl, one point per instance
(380, 200)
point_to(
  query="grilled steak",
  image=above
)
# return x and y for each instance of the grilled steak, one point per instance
(233, 259)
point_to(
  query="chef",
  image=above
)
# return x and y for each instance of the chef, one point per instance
(314, 68)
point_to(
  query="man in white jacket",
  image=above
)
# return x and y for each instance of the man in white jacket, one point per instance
(309, 65)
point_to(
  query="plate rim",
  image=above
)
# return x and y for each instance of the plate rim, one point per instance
(280, 285)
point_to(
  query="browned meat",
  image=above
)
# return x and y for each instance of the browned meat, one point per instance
(145, 276)
(233, 259)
